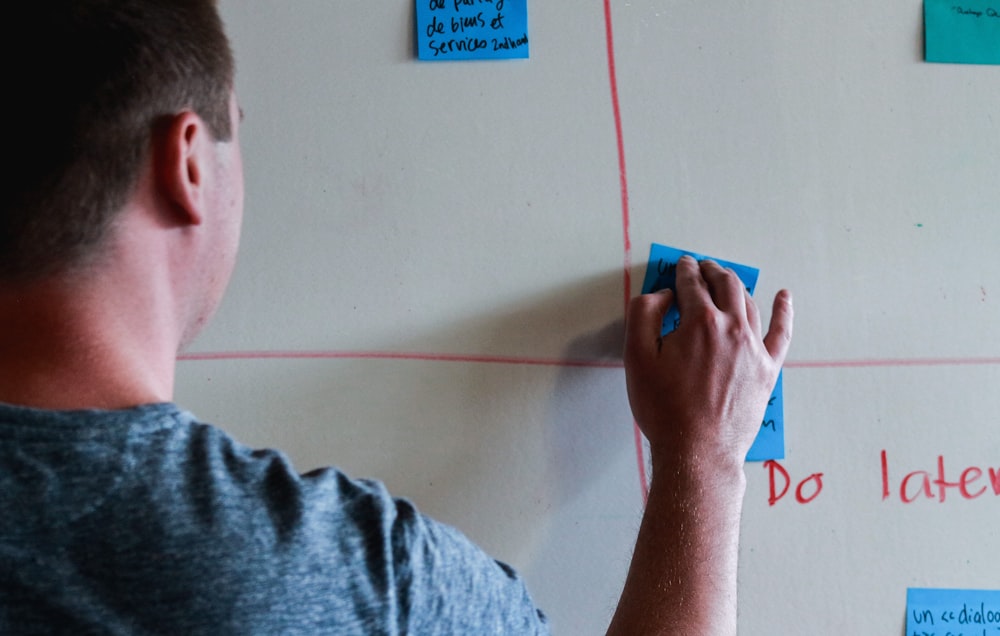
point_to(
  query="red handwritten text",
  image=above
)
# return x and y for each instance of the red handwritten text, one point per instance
(923, 484)
(807, 490)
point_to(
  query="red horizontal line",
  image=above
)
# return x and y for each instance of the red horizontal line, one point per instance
(891, 362)
(559, 362)
(400, 355)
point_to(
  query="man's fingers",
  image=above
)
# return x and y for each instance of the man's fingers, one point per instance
(779, 333)
(692, 290)
(644, 321)
(725, 286)
(753, 314)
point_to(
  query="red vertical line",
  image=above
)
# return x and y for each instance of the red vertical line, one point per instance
(620, 138)
(626, 236)
(885, 476)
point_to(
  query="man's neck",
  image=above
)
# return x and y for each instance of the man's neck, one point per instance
(75, 345)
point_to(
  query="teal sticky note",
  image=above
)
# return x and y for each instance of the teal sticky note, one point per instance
(661, 273)
(472, 29)
(932, 612)
(963, 32)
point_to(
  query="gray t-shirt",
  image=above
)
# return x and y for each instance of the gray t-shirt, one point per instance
(146, 521)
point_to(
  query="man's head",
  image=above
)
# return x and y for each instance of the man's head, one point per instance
(90, 83)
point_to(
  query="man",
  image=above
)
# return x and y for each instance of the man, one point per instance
(123, 514)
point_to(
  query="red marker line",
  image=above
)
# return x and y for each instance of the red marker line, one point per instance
(891, 362)
(561, 362)
(400, 355)
(620, 138)
(626, 222)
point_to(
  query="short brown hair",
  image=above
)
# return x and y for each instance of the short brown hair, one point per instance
(88, 81)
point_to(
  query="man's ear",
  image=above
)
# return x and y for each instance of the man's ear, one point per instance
(182, 152)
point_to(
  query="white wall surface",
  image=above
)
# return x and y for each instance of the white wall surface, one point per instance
(432, 280)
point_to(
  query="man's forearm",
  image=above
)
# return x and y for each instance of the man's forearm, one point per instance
(698, 395)
(683, 574)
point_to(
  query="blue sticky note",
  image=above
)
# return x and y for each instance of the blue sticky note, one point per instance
(770, 442)
(931, 612)
(661, 273)
(964, 32)
(472, 29)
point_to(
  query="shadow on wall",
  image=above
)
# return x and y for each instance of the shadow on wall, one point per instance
(450, 435)
(586, 421)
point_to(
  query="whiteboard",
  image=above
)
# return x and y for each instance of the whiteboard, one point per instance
(435, 259)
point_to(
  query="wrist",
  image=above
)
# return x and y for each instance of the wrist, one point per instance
(719, 478)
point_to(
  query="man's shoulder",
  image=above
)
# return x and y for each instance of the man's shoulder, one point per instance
(176, 508)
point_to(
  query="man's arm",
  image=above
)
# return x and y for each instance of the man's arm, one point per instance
(698, 394)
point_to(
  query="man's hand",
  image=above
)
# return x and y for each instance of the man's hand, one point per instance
(701, 390)
(698, 394)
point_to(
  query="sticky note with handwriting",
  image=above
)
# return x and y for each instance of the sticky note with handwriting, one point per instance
(661, 273)
(963, 32)
(933, 612)
(472, 29)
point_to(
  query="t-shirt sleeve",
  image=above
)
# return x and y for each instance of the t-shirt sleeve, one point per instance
(448, 585)
(420, 575)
